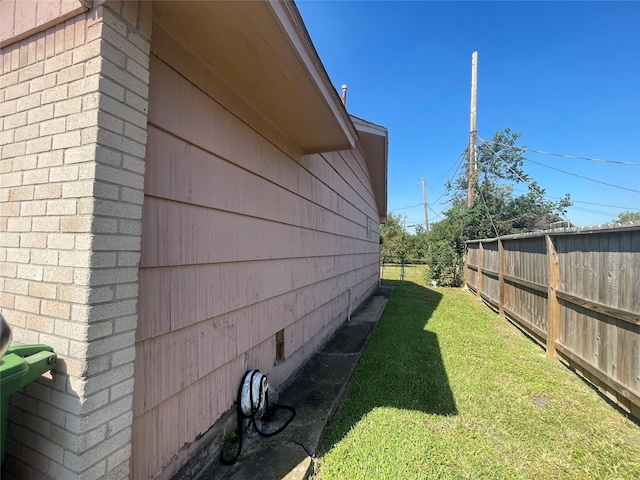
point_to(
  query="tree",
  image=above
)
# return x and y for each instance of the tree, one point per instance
(392, 239)
(627, 217)
(496, 210)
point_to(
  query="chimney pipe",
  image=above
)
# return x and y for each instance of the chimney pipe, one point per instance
(344, 94)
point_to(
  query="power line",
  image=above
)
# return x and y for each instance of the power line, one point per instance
(583, 177)
(406, 208)
(586, 203)
(516, 174)
(618, 162)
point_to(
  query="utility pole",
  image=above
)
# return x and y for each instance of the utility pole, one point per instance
(473, 135)
(426, 212)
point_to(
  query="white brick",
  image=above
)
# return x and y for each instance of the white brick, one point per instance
(58, 62)
(112, 89)
(77, 189)
(65, 173)
(38, 145)
(112, 310)
(8, 79)
(50, 159)
(49, 449)
(28, 102)
(19, 224)
(18, 255)
(61, 207)
(90, 135)
(86, 51)
(112, 410)
(120, 456)
(134, 164)
(51, 127)
(61, 241)
(108, 156)
(7, 136)
(72, 293)
(119, 176)
(10, 240)
(116, 209)
(8, 107)
(11, 179)
(84, 86)
(16, 91)
(42, 83)
(67, 107)
(24, 163)
(51, 413)
(55, 94)
(82, 120)
(40, 114)
(32, 71)
(30, 272)
(136, 102)
(33, 208)
(71, 74)
(107, 191)
(14, 150)
(101, 295)
(123, 111)
(16, 120)
(75, 259)
(59, 345)
(121, 389)
(85, 153)
(71, 330)
(139, 71)
(44, 257)
(125, 355)
(126, 324)
(66, 140)
(34, 177)
(46, 224)
(105, 225)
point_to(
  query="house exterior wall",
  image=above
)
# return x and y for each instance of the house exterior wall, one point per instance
(73, 103)
(242, 236)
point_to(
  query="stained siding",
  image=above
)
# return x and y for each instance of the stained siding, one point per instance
(239, 241)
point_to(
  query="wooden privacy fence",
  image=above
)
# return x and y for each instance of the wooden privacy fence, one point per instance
(575, 292)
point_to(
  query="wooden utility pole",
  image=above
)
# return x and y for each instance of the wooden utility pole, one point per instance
(424, 200)
(473, 135)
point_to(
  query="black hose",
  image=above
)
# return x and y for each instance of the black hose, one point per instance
(252, 415)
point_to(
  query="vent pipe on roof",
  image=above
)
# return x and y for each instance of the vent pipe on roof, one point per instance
(344, 94)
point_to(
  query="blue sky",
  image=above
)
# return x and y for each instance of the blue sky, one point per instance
(564, 74)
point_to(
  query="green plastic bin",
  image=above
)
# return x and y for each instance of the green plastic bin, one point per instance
(19, 366)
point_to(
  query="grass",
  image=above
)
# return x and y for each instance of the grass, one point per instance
(446, 389)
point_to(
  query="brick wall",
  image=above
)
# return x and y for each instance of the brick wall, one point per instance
(73, 103)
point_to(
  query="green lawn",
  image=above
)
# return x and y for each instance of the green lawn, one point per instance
(446, 389)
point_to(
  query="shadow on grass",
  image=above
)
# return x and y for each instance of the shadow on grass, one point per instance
(401, 366)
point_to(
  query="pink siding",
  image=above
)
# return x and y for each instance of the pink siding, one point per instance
(239, 241)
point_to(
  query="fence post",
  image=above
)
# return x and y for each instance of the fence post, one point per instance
(480, 263)
(552, 299)
(466, 265)
(501, 278)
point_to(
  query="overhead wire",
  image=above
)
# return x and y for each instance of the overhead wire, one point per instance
(583, 177)
(576, 157)
(515, 173)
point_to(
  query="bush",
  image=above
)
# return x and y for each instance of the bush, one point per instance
(445, 265)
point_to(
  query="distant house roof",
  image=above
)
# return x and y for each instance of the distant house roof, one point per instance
(549, 222)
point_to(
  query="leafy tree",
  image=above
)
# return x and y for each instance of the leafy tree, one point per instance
(627, 217)
(496, 210)
(393, 239)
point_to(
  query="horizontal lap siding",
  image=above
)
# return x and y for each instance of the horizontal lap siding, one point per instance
(239, 241)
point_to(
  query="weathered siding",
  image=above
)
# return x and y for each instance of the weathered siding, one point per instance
(242, 237)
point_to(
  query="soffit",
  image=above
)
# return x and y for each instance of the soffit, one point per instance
(262, 52)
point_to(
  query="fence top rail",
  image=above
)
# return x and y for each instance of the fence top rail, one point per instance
(606, 228)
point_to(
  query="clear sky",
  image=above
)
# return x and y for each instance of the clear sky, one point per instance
(564, 74)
